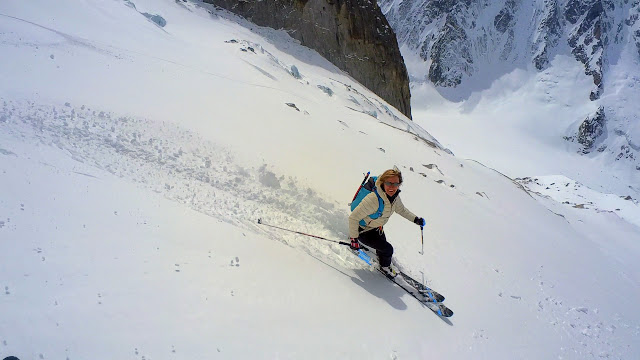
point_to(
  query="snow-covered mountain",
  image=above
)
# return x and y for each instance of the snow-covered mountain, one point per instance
(458, 39)
(141, 140)
(463, 49)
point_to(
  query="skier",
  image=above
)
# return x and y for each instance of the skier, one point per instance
(367, 228)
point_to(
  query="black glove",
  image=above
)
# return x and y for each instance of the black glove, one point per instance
(354, 244)
(419, 221)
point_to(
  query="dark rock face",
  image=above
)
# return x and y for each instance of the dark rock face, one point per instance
(549, 30)
(637, 37)
(633, 23)
(505, 19)
(352, 34)
(590, 36)
(450, 55)
(449, 49)
(590, 129)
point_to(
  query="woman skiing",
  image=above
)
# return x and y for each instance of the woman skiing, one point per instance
(367, 219)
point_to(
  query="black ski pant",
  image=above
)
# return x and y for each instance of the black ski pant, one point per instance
(376, 239)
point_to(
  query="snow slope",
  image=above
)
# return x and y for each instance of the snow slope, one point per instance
(135, 160)
(519, 125)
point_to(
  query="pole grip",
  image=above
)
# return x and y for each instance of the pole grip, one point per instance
(422, 238)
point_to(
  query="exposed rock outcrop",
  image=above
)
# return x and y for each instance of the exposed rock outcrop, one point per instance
(589, 36)
(437, 31)
(547, 33)
(352, 34)
(633, 23)
(450, 55)
(590, 129)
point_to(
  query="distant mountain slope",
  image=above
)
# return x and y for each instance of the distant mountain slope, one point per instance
(460, 38)
(466, 45)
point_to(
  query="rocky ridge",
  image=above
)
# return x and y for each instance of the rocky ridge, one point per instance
(352, 34)
(454, 37)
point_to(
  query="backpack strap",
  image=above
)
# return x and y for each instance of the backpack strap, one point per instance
(380, 205)
(378, 213)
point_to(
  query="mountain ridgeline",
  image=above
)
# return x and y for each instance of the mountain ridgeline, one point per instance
(352, 34)
(457, 37)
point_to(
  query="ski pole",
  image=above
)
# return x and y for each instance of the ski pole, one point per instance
(422, 237)
(361, 185)
(301, 233)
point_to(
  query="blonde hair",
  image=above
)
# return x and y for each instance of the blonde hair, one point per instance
(389, 173)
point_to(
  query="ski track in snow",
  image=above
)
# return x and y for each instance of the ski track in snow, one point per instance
(592, 336)
(586, 333)
(572, 193)
(182, 167)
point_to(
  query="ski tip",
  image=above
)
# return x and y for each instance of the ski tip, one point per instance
(445, 312)
(440, 309)
(436, 297)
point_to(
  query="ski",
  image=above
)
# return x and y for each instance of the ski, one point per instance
(439, 309)
(428, 298)
(430, 294)
(433, 295)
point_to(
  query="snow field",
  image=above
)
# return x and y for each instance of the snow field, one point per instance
(135, 163)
